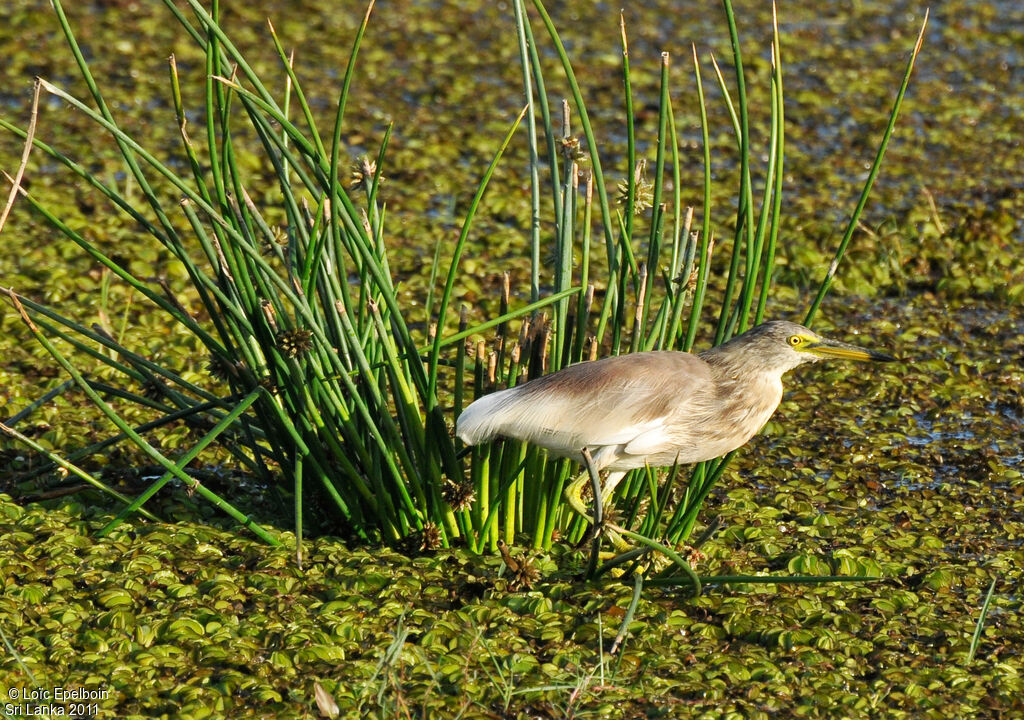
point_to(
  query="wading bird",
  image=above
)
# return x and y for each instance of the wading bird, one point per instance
(653, 408)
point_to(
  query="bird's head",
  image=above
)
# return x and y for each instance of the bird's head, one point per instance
(778, 346)
(815, 347)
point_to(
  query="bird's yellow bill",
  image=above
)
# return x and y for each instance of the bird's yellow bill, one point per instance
(836, 349)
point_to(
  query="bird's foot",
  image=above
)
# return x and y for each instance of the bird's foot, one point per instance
(573, 495)
(611, 532)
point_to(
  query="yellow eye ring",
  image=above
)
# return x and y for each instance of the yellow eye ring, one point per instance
(795, 340)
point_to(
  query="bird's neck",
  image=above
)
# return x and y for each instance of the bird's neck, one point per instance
(742, 368)
(748, 390)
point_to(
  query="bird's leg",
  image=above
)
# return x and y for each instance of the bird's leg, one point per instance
(595, 484)
(573, 496)
(610, 483)
(574, 491)
(603, 499)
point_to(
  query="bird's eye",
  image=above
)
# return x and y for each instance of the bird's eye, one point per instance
(795, 340)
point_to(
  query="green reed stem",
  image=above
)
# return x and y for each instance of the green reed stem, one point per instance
(876, 165)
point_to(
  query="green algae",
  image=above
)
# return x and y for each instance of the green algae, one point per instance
(922, 488)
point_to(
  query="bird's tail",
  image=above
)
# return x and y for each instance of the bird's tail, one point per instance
(477, 423)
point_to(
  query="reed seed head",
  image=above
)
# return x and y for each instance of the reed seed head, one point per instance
(154, 388)
(459, 496)
(222, 369)
(294, 342)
